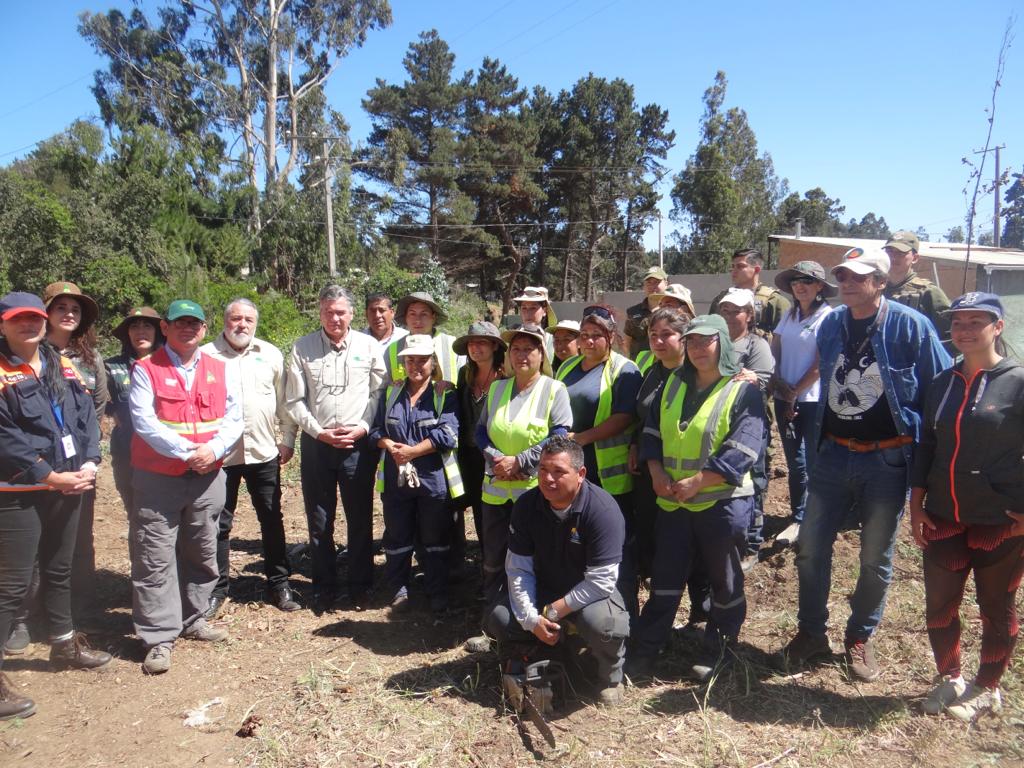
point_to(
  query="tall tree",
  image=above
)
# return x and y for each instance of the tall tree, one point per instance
(870, 226)
(726, 195)
(1013, 214)
(820, 214)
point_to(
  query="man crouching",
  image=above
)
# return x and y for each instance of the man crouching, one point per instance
(565, 545)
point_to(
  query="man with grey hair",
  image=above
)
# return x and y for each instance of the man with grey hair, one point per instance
(335, 379)
(256, 458)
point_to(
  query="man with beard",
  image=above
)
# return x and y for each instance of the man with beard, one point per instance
(258, 456)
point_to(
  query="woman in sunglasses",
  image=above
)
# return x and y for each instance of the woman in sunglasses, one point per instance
(418, 430)
(794, 385)
(603, 389)
(967, 504)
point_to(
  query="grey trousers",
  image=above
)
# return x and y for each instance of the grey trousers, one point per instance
(173, 533)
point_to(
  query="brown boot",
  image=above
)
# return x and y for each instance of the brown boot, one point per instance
(12, 704)
(75, 653)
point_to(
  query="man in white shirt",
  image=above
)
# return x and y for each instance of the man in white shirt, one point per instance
(258, 456)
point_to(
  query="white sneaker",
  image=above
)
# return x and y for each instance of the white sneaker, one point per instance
(942, 695)
(974, 702)
(789, 536)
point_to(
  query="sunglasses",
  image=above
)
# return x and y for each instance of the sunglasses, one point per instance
(599, 311)
(844, 274)
(803, 281)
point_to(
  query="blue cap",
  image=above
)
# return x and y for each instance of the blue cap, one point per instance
(21, 302)
(978, 301)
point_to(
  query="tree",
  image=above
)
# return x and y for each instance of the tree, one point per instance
(820, 213)
(955, 234)
(1013, 214)
(869, 227)
(727, 193)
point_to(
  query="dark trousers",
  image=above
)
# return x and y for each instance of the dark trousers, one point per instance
(327, 471)
(43, 524)
(83, 564)
(719, 535)
(471, 466)
(796, 435)
(409, 520)
(264, 484)
(759, 477)
(602, 627)
(645, 516)
(628, 583)
(495, 545)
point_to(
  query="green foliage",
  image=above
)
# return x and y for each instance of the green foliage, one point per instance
(1013, 213)
(820, 214)
(956, 235)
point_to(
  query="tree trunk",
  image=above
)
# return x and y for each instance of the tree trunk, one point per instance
(570, 234)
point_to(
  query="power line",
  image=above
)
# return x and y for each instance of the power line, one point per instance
(44, 96)
(562, 31)
(483, 21)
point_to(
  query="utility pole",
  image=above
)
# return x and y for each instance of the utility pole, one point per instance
(995, 189)
(661, 250)
(332, 261)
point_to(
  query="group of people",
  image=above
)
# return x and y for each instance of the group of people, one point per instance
(593, 462)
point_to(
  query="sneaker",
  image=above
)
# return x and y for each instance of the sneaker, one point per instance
(478, 644)
(789, 536)
(13, 704)
(158, 660)
(202, 630)
(942, 695)
(976, 701)
(748, 562)
(19, 639)
(803, 649)
(75, 653)
(611, 696)
(860, 659)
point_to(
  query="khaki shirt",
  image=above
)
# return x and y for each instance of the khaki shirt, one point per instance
(926, 297)
(332, 386)
(260, 377)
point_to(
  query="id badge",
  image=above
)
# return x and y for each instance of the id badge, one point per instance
(69, 446)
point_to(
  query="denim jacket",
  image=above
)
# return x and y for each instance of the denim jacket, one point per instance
(909, 356)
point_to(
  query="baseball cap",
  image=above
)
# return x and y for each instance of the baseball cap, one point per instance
(533, 293)
(863, 261)
(185, 308)
(565, 325)
(903, 241)
(739, 297)
(418, 344)
(977, 301)
(657, 272)
(19, 303)
(707, 325)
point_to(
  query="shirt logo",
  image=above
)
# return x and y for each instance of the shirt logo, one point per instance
(210, 377)
(574, 536)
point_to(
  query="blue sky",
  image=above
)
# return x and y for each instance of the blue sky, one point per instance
(875, 102)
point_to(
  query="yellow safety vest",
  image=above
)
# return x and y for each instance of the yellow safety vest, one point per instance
(687, 447)
(612, 454)
(446, 358)
(531, 426)
(451, 465)
(644, 360)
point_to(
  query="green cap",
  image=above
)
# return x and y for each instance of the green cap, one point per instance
(714, 325)
(707, 325)
(185, 308)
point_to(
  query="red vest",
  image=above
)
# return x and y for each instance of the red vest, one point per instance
(194, 415)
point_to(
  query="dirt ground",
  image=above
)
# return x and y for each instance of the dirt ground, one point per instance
(361, 689)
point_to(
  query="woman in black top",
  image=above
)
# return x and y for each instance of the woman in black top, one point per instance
(967, 504)
(49, 448)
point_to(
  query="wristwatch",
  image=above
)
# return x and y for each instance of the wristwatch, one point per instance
(550, 613)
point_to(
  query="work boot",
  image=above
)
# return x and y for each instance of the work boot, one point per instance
(158, 660)
(860, 658)
(478, 644)
(13, 704)
(803, 649)
(201, 630)
(19, 639)
(75, 653)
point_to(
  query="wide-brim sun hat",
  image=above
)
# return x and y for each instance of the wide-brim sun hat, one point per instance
(148, 314)
(784, 280)
(478, 330)
(678, 292)
(533, 331)
(90, 310)
(420, 297)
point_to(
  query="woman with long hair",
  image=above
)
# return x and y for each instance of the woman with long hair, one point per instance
(49, 449)
(967, 504)
(794, 385)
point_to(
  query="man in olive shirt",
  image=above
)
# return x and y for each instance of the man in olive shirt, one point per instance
(911, 289)
(769, 302)
(335, 379)
(637, 316)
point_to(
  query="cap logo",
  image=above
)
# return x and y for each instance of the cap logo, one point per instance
(969, 299)
(855, 253)
(67, 288)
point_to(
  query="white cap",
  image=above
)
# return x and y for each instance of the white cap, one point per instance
(740, 297)
(418, 344)
(864, 261)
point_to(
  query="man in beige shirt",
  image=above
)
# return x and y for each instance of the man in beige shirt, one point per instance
(335, 380)
(256, 458)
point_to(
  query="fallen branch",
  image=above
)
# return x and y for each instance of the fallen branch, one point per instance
(776, 759)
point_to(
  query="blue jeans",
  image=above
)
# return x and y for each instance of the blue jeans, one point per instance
(873, 486)
(799, 456)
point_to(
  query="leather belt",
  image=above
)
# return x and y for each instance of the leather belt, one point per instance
(867, 446)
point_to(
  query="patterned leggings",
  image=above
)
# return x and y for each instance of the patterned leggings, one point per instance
(953, 551)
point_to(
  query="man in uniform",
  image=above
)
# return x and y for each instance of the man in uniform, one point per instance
(909, 288)
(637, 316)
(187, 417)
(258, 456)
(770, 304)
(380, 319)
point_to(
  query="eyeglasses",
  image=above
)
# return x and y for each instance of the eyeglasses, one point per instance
(803, 281)
(843, 275)
(697, 340)
(599, 311)
(188, 322)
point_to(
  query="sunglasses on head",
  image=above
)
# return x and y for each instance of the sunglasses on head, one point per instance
(599, 311)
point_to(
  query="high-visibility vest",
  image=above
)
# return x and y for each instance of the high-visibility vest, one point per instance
(644, 360)
(194, 414)
(612, 454)
(687, 447)
(446, 358)
(448, 460)
(531, 425)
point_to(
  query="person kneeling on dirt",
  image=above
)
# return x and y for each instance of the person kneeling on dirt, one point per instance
(564, 550)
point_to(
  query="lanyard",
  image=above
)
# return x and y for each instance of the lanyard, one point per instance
(58, 410)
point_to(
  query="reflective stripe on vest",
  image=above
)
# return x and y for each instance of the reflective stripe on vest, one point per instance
(612, 454)
(687, 450)
(531, 426)
(446, 358)
(644, 360)
(452, 474)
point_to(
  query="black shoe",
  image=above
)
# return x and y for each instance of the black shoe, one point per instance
(638, 668)
(75, 653)
(12, 704)
(324, 601)
(19, 639)
(358, 600)
(215, 607)
(283, 599)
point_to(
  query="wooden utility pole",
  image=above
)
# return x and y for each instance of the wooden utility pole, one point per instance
(332, 261)
(995, 189)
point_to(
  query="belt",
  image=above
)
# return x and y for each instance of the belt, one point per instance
(867, 446)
